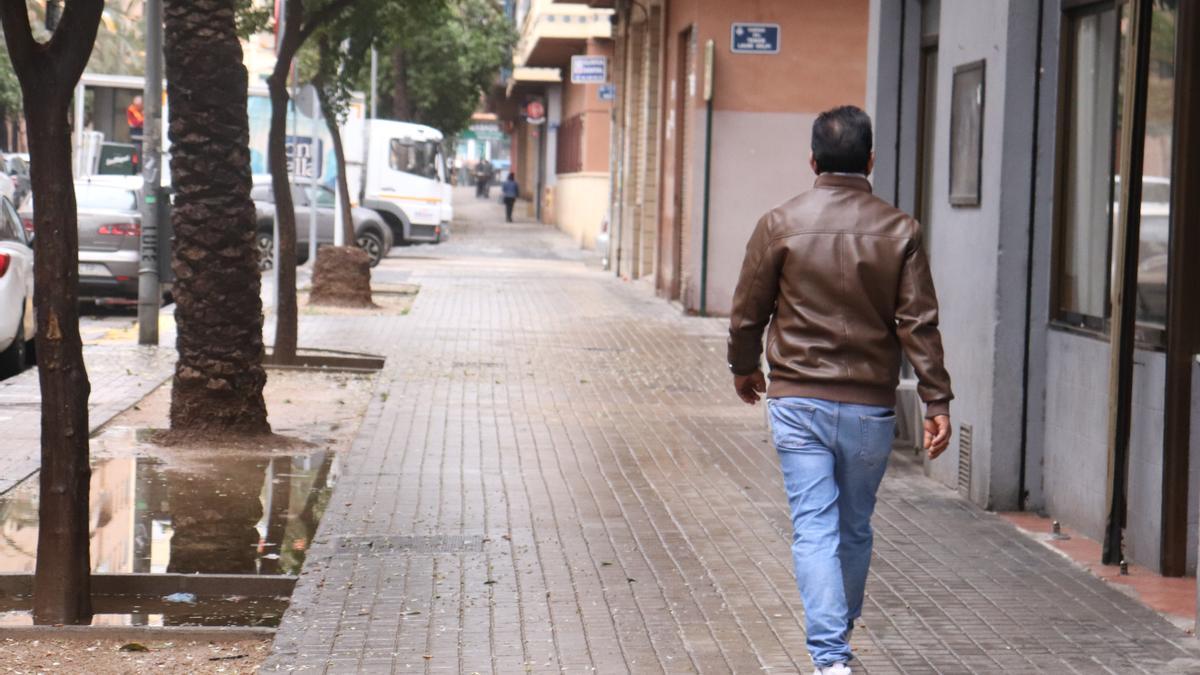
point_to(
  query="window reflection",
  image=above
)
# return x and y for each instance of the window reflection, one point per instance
(1091, 183)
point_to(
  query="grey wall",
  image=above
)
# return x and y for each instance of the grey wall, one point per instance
(1194, 477)
(1076, 441)
(964, 242)
(1043, 240)
(883, 90)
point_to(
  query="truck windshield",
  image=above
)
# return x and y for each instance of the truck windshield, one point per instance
(415, 157)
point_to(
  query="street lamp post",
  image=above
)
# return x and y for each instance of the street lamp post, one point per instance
(149, 294)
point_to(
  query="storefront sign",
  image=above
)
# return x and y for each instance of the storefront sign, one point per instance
(754, 38)
(608, 92)
(589, 69)
(303, 156)
(535, 112)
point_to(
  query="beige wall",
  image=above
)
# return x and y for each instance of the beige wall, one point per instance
(759, 161)
(581, 200)
(584, 99)
(764, 106)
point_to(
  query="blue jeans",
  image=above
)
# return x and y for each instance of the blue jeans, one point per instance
(833, 457)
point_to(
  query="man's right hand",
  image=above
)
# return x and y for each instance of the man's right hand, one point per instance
(937, 435)
(748, 387)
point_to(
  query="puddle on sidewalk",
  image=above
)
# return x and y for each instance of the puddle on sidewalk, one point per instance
(191, 510)
(226, 514)
(223, 514)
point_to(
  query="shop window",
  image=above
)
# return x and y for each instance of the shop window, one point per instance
(569, 152)
(1089, 181)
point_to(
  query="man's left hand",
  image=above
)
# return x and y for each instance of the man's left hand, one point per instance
(749, 387)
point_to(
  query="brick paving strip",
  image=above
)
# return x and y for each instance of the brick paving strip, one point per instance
(120, 376)
(554, 476)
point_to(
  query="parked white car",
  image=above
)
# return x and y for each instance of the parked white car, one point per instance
(17, 324)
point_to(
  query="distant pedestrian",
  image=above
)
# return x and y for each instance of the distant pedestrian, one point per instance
(840, 280)
(483, 178)
(510, 190)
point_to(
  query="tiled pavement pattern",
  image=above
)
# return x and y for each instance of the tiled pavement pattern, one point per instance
(120, 377)
(554, 475)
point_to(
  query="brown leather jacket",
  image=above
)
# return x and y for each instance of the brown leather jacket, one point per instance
(843, 280)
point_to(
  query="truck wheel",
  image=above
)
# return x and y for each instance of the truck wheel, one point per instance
(12, 360)
(371, 242)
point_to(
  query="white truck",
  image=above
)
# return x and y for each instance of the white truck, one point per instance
(398, 169)
(395, 168)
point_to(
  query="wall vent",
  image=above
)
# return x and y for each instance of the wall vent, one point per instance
(965, 445)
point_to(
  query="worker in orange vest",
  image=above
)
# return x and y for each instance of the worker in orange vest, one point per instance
(136, 119)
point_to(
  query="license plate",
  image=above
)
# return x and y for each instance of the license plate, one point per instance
(93, 270)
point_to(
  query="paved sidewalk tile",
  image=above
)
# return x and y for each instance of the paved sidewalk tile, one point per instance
(554, 476)
(120, 377)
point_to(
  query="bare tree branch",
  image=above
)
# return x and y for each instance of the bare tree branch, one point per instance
(322, 16)
(18, 34)
(79, 25)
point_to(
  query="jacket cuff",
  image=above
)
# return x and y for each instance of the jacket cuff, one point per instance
(935, 408)
(741, 372)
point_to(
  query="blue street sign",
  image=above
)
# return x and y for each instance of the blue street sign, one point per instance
(588, 69)
(608, 92)
(754, 38)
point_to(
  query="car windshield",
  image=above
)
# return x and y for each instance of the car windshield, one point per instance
(89, 196)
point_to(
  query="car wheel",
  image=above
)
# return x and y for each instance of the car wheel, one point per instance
(12, 360)
(265, 241)
(372, 243)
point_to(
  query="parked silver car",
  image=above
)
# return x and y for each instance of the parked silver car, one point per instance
(17, 326)
(371, 233)
(110, 229)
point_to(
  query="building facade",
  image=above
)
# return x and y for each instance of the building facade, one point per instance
(700, 153)
(1048, 148)
(557, 108)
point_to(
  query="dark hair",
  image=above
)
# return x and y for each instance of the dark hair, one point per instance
(841, 140)
(512, 176)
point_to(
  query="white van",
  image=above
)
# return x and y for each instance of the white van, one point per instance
(405, 177)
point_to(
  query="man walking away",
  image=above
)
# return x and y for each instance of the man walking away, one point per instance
(842, 279)
(509, 189)
(483, 178)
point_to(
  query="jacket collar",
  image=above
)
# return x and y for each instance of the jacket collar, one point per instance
(843, 182)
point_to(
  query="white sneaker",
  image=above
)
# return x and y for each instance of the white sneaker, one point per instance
(839, 668)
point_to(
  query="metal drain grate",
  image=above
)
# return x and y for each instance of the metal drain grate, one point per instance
(965, 445)
(413, 544)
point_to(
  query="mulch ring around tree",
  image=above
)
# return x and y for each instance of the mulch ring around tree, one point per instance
(388, 300)
(342, 278)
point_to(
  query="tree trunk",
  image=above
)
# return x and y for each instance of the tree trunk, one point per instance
(48, 74)
(285, 209)
(401, 107)
(339, 154)
(62, 585)
(219, 377)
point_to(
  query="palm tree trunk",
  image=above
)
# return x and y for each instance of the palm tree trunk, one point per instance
(219, 377)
